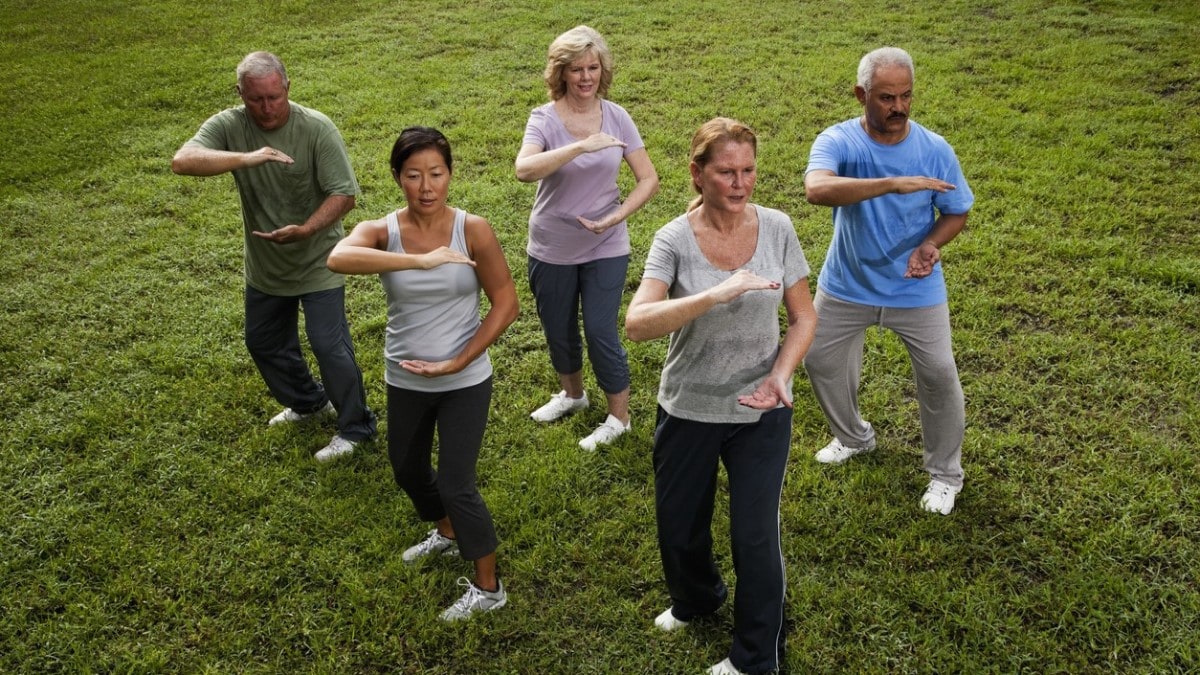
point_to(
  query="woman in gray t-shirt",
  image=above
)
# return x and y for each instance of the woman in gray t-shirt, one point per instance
(714, 281)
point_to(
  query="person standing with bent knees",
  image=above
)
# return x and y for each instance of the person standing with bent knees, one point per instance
(295, 182)
(898, 196)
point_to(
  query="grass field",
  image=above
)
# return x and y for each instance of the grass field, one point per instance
(153, 523)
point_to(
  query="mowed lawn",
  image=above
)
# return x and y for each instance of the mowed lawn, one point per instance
(153, 523)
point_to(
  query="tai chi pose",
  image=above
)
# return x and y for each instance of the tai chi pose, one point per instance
(714, 281)
(898, 196)
(578, 243)
(294, 178)
(433, 261)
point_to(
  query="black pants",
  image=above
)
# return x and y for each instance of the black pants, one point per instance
(686, 458)
(460, 417)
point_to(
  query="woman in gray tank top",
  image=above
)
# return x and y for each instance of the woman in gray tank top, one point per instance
(433, 260)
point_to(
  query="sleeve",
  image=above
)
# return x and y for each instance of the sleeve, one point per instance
(212, 133)
(535, 133)
(335, 174)
(824, 154)
(795, 264)
(629, 134)
(662, 261)
(960, 199)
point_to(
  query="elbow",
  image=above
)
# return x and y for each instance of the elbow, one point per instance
(336, 263)
(815, 196)
(179, 166)
(635, 330)
(525, 175)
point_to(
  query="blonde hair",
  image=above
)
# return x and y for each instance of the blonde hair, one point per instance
(566, 49)
(712, 133)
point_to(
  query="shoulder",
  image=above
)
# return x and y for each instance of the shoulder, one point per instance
(773, 217)
(928, 136)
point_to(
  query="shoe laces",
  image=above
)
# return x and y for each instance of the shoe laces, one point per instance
(474, 596)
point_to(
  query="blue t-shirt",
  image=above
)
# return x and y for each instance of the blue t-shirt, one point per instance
(873, 239)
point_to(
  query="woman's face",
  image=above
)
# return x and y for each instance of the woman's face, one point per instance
(582, 76)
(727, 180)
(425, 179)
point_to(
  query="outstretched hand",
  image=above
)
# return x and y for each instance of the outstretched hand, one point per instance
(922, 260)
(428, 368)
(741, 282)
(600, 141)
(268, 154)
(285, 235)
(769, 394)
(909, 184)
(443, 255)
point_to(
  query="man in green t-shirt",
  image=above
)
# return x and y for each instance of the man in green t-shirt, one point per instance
(295, 182)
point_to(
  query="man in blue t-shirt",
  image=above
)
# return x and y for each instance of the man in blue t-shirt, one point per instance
(898, 196)
(295, 182)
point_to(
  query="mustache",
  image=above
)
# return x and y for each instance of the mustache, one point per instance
(897, 116)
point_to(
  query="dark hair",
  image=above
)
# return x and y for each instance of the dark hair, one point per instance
(415, 139)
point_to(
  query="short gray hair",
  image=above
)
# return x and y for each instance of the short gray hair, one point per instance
(260, 64)
(882, 57)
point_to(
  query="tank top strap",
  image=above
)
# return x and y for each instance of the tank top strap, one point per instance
(394, 245)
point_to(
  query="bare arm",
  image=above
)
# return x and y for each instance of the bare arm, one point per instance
(825, 188)
(925, 256)
(535, 162)
(364, 251)
(196, 160)
(491, 268)
(652, 314)
(802, 326)
(646, 187)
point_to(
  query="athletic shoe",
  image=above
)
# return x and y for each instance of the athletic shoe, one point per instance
(337, 447)
(289, 415)
(667, 622)
(433, 544)
(475, 601)
(560, 405)
(939, 497)
(836, 453)
(725, 667)
(605, 433)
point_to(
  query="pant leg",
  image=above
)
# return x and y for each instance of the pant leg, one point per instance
(925, 332)
(555, 291)
(411, 417)
(755, 459)
(601, 287)
(329, 336)
(461, 420)
(273, 340)
(834, 366)
(685, 483)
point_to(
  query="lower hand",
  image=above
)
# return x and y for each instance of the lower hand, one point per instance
(769, 394)
(428, 368)
(284, 235)
(922, 260)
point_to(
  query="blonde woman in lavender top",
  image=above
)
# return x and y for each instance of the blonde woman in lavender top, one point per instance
(578, 242)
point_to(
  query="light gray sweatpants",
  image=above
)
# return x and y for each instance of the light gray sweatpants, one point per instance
(834, 364)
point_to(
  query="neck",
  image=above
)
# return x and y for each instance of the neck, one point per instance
(580, 105)
(425, 221)
(724, 222)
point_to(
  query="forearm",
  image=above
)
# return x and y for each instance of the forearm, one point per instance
(945, 229)
(641, 193)
(830, 190)
(499, 317)
(329, 212)
(534, 167)
(649, 320)
(363, 260)
(196, 160)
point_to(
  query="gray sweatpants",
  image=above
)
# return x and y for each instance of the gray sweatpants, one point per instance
(834, 364)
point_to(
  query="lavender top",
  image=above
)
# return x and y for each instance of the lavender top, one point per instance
(586, 186)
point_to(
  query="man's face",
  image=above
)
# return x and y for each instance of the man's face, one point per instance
(886, 105)
(266, 100)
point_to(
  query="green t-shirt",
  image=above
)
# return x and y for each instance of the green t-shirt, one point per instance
(274, 195)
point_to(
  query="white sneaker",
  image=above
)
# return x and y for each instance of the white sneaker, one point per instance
(725, 667)
(836, 453)
(289, 415)
(433, 544)
(560, 405)
(475, 601)
(939, 497)
(606, 433)
(667, 622)
(337, 447)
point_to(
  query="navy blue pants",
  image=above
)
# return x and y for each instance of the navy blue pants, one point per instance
(273, 339)
(686, 458)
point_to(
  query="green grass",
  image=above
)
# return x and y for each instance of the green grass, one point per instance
(153, 523)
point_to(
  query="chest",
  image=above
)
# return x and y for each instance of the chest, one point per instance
(580, 125)
(728, 251)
